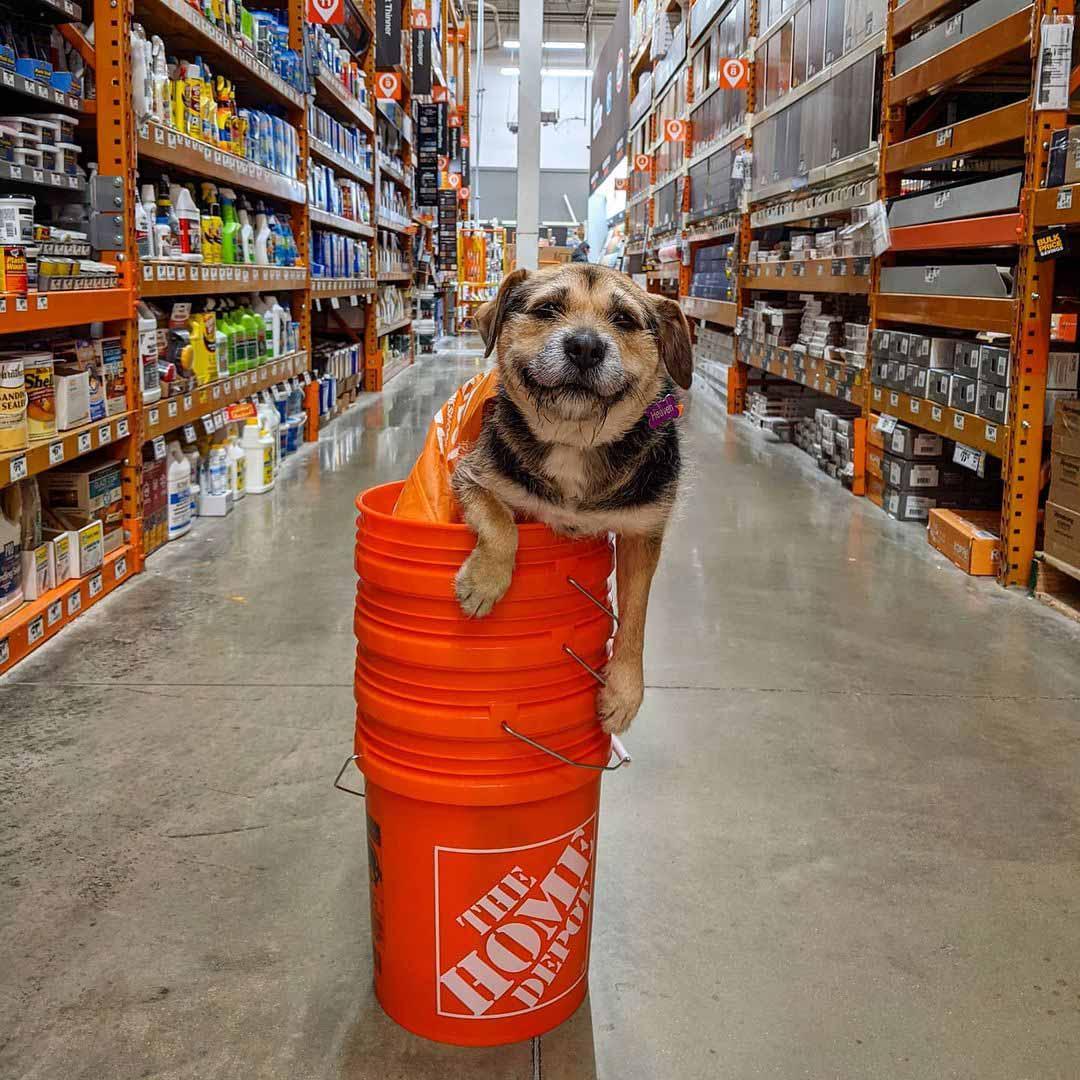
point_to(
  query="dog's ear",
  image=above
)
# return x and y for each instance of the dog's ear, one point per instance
(489, 316)
(673, 341)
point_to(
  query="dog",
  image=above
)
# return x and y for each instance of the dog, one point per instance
(582, 354)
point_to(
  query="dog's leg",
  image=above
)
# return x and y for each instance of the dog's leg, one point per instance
(485, 575)
(620, 698)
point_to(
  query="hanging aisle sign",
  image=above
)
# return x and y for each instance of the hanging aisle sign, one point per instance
(387, 33)
(326, 12)
(642, 162)
(421, 62)
(388, 85)
(735, 74)
(676, 130)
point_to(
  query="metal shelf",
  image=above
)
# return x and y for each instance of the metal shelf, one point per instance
(394, 275)
(51, 310)
(173, 413)
(1057, 206)
(169, 147)
(389, 328)
(12, 81)
(967, 428)
(814, 373)
(395, 226)
(206, 279)
(26, 174)
(325, 288)
(998, 230)
(39, 457)
(331, 94)
(31, 625)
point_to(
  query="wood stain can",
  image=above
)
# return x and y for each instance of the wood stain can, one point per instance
(40, 395)
(13, 432)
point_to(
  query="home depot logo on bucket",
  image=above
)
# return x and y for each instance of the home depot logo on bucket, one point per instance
(522, 944)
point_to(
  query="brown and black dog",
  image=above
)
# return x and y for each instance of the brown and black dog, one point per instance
(585, 359)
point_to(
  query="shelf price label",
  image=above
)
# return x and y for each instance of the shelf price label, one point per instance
(155, 417)
(121, 428)
(74, 603)
(975, 460)
(171, 409)
(5, 652)
(35, 631)
(54, 612)
(159, 448)
(83, 446)
(208, 424)
(18, 468)
(56, 453)
(95, 585)
(189, 433)
(121, 567)
(886, 424)
(936, 413)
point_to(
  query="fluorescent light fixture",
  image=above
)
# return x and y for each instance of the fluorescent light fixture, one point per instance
(564, 46)
(556, 73)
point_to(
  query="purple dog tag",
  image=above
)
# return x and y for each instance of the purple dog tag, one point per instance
(662, 411)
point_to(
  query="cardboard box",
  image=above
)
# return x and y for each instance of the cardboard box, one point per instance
(938, 384)
(907, 506)
(966, 359)
(875, 461)
(938, 353)
(992, 402)
(72, 400)
(908, 442)
(879, 372)
(905, 475)
(873, 436)
(881, 344)
(87, 547)
(918, 347)
(1050, 404)
(1062, 533)
(994, 365)
(1062, 370)
(1066, 439)
(38, 572)
(875, 490)
(61, 558)
(899, 345)
(963, 393)
(1065, 481)
(968, 538)
(87, 488)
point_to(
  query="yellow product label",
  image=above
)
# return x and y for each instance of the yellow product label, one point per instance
(40, 400)
(241, 473)
(13, 270)
(13, 432)
(268, 466)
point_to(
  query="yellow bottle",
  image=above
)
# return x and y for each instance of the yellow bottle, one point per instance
(203, 362)
(193, 110)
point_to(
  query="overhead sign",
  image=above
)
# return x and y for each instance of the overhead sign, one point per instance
(388, 85)
(610, 100)
(421, 15)
(326, 12)
(622, 183)
(387, 33)
(421, 62)
(440, 93)
(642, 162)
(463, 194)
(735, 74)
(676, 130)
(454, 180)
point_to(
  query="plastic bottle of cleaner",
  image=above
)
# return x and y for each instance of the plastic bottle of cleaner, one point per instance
(11, 590)
(230, 228)
(149, 378)
(247, 234)
(263, 239)
(259, 450)
(237, 464)
(218, 469)
(180, 498)
(221, 342)
(271, 423)
(190, 225)
(149, 215)
(203, 362)
(167, 225)
(144, 236)
(212, 215)
(160, 106)
(264, 307)
(228, 328)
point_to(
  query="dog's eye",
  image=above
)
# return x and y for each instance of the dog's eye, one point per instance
(623, 320)
(550, 310)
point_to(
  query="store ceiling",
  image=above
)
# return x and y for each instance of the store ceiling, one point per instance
(599, 13)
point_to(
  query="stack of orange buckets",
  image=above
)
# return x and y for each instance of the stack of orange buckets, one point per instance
(482, 755)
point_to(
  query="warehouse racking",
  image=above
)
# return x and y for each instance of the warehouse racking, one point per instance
(830, 131)
(328, 309)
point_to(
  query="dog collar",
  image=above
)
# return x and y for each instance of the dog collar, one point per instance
(663, 411)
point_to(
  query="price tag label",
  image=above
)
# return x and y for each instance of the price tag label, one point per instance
(18, 468)
(121, 567)
(148, 273)
(219, 419)
(104, 434)
(154, 417)
(5, 652)
(965, 456)
(936, 413)
(39, 177)
(36, 630)
(56, 453)
(171, 409)
(21, 304)
(208, 423)
(915, 405)
(1064, 199)
(943, 137)
(122, 428)
(54, 612)
(83, 445)
(217, 392)
(894, 399)
(9, 78)
(958, 421)
(159, 448)
(74, 603)
(43, 303)
(95, 585)
(991, 433)
(228, 386)
(181, 273)
(886, 424)
(187, 402)
(877, 393)
(189, 433)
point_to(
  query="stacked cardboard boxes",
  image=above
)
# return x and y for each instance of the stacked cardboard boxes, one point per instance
(1062, 523)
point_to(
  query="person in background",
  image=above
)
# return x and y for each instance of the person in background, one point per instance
(580, 253)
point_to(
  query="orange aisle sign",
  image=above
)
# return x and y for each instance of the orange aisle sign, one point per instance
(444, 162)
(622, 183)
(735, 74)
(439, 93)
(465, 141)
(454, 179)
(642, 162)
(421, 15)
(676, 130)
(388, 85)
(455, 120)
(463, 194)
(327, 12)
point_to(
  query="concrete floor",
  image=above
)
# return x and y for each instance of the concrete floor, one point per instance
(848, 847)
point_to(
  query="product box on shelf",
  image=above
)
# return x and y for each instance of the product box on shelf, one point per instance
(38, 571)
(87, 546)
(87, 489)
(994, 365)
(936, 353)
(1062, 370)
(915, 384)
(963, 393)
(1062, 533)
(874, 437)
(992, 402)
(907, 506)
(968, 538)
(1065, 481)
(875, 461)
(1066, 436)
(875, 490)
(938, 386)
(966, 359)
(62, 561)
(911, 443)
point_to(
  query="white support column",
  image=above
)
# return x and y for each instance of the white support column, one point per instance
(530, 58)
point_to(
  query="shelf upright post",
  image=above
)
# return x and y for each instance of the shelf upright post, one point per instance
(1034, 289)
(301, 219)
(117, 159)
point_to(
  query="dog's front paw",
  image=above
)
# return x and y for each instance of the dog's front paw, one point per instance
(620, 697)
(481, 583)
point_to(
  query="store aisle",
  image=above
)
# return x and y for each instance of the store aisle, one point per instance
(848, 846)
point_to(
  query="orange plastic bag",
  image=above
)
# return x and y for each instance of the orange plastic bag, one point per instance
(427, 495)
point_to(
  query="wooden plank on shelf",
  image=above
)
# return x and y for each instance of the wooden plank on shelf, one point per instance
(208, 279)
(721, 312)
(1011, 35)
(847, 275)
(30, 626)
(966, 428)
(956, 312)
(1007, 124)
(173, 413)
(64, 446)
(1057, 584)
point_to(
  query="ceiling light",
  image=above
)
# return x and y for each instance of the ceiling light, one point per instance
(555, 73)
(565, 46)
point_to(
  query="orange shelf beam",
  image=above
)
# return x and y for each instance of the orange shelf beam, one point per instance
(957, 312)
(999, 230)
(967, 428)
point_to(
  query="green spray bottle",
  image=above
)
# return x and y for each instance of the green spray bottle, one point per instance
(230, 228)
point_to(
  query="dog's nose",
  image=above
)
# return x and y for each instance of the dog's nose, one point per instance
(584, 349)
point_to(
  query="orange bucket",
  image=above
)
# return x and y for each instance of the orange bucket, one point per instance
(482, 756)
